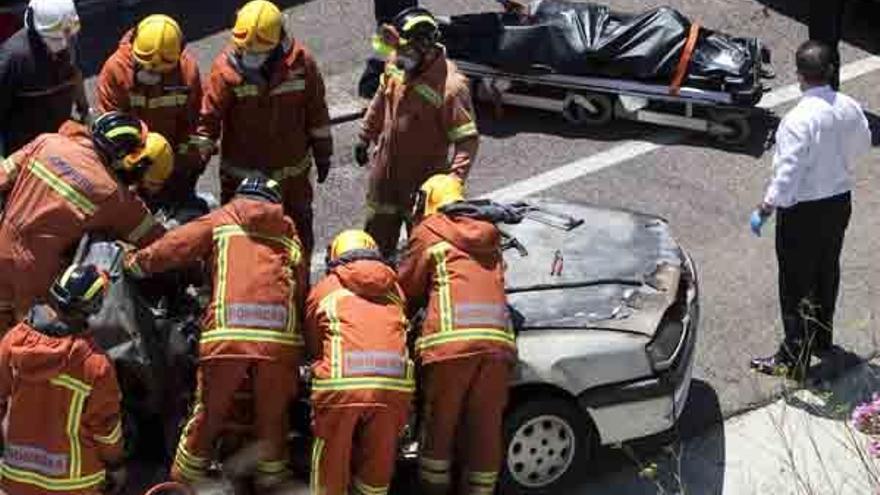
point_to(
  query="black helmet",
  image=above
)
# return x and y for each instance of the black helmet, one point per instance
(81, 289)
(260, 188)
(118, 134)
(417, 25)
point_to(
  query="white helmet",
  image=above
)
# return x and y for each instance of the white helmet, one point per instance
(53, 19)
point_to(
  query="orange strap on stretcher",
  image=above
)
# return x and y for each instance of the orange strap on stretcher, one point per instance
(685, 60)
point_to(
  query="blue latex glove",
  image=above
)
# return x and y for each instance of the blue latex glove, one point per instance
(757, 221)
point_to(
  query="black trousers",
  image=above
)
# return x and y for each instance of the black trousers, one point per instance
(826, 25)
(809, 239)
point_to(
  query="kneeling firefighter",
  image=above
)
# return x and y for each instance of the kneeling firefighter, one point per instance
(466, 348)
(60, 186)
(362, 376)
(251, 327)
(60, 397)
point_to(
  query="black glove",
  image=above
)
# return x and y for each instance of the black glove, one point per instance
(323, 167)
(362, 153)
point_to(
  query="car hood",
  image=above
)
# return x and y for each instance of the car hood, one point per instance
(590, 267)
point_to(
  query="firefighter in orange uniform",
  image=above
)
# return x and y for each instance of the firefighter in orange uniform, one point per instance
(362, 377)
(466, 348)
(59, 395)
(422, 109)
(60, 186)
(152, 77)
(265, 95)
(251, 327)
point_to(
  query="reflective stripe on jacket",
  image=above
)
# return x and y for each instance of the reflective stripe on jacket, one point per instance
(454, 267)
(259, 278)
(356, 332)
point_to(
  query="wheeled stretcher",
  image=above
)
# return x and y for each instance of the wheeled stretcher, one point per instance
(593, 65)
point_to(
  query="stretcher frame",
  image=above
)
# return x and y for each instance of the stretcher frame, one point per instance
(595, 101)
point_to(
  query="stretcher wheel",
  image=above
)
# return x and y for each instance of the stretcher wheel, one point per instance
(730, 128)
(589, 109)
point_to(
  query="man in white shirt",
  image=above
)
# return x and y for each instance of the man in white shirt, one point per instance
(817, 144)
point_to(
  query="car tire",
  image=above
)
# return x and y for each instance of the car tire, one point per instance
(548, 442)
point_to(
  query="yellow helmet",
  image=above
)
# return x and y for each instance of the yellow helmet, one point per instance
(154, 163)
(158, 42)
(350, 240)
(438, 191)
(258, 27)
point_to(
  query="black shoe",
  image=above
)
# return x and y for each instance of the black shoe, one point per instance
(776, 365)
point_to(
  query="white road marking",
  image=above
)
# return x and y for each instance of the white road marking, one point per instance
(632, 149)
(629, 150)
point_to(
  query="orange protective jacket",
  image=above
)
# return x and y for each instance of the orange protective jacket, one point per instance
(259, 278)
(170, 108)
(63, 402)
(57, 188)
(455, 266)
(414, 122)
(355, 329)
(269, 124)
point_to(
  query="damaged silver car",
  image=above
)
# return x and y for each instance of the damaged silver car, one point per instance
(606, 307)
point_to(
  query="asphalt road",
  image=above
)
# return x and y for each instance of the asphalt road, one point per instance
(704, 190)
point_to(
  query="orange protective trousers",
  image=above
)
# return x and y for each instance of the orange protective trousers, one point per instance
(274, 387)
(463, 408)
(355, 449)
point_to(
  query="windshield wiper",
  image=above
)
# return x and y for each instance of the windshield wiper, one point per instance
(549, 217)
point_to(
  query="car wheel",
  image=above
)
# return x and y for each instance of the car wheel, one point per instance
(549, 441)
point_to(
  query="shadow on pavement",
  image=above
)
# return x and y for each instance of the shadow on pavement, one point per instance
(859, 24)
(105, 22)
(841, 382)
(515, 121)
(688, 459)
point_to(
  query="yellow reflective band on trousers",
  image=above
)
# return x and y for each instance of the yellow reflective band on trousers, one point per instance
(428, 94)
(317, 455)
(435, 471)
(142, 229)
(463, 132)
(271, 467)
(482, 483)
(113, 437)
(63, 189)
(444, 289)
(247, 90)
(361, 488)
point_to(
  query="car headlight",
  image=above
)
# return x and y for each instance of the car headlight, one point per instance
(663, 349)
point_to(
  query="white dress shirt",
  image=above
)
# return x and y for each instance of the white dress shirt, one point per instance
(816, 145)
